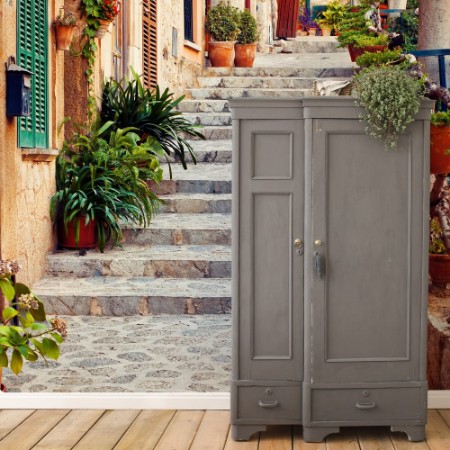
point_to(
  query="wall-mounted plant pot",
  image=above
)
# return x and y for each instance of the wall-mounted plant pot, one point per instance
(358, 51)
(87, 237)
(221, 54)
(64, 35)
(244, 55)
(439, 269)
(103, 28)
(439, 149)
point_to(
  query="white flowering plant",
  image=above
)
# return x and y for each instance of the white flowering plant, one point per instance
(25, 331)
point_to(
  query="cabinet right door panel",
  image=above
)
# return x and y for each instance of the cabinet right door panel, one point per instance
(365, 278)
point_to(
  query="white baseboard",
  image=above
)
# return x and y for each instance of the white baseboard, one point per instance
(165, 400)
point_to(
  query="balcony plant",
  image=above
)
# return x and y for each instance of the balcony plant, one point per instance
(65, 25)
(440, 142)
(25, 331)
(101, 182)
(152, 113)
(223, 21)
(245, 47)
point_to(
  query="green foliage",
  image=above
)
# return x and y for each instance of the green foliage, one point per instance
(441, 118)
(25, 333)
(151, 113)
(407, 25)
(412, 4)
(65, 19)
(370, 40)
(223, 22)
(370, 59)
(248, 33)
(101, 175)
(333, 16)
(436, 244)
(354, 24)
(390, 98)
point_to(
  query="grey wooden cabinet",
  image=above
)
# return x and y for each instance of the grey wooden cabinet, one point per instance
(330, 256)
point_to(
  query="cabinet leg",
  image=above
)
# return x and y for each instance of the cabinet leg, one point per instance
(318, 434)
(415, 433)
(244, 432)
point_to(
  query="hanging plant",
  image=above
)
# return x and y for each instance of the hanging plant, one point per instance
(95, 12)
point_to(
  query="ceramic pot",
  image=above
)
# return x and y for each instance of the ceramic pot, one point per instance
(326, 31)
(312, 31)
(103, 28)
(439, 269)
(221, 54)
(87, 238)
(64, 35)
(244, 55)
(439, 149)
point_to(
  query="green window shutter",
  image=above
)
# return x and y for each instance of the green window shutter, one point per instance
(32, 37)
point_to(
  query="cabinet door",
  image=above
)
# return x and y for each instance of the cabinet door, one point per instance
(368, 210)
(269, 277)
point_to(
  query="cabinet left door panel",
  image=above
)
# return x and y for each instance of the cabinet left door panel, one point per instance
(270, 279)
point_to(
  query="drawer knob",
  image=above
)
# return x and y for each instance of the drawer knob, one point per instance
(366, 405)
(267, 404)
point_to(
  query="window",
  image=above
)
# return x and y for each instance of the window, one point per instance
(188, 21)
(119, 35)
(149, 43)
(32, 25)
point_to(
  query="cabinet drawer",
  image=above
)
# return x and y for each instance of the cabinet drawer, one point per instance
(269, 403)
(371, 406)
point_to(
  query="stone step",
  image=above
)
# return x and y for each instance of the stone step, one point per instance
(196, 203)
(227, 93)
(207, 119)
(217, 151)
(123, 296)
(182, 229)
(283, 70)
(310, 44)
(167, 261)
(202, 178)
(257, 82)
(204, 105)
(214, 133)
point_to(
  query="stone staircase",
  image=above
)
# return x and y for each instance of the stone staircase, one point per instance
(181, 263)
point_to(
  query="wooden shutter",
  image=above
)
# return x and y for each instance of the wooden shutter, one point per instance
(32, 38)
(149, 40)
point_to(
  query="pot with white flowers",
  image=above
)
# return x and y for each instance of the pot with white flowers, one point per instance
(26, 334)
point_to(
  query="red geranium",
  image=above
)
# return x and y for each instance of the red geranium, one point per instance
(109, 9)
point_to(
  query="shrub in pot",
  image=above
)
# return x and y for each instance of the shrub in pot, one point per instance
(245, 47)
(379, 58)
(223, 21)
(440, 142)
(369, 43)
(332, 17)
(105, 181)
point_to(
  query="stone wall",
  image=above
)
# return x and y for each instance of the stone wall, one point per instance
(27, 176)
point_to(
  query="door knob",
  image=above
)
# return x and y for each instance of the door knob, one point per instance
(318, 243)
(298, 243)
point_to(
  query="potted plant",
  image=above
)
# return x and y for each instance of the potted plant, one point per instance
(390, 97)
(440, 142)
(127, 103)
(245, 47)
(379, 58)
(101, 183)
(65, 25)
(369, 43)
(439, 258)
(223, 22)
(25, 331)
(100, 13)
(332, 17)
(307, 22)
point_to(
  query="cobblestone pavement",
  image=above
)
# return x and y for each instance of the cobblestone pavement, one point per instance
(135, 354)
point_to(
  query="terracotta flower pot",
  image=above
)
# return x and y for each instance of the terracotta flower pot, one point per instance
(244, 55)
(312, 31)
(101, 31)
(439, 269)
(351, 52)
(439, 149)
(221, 54)
(358, 51)
(87, 238)
(326, 31)
(64, 35)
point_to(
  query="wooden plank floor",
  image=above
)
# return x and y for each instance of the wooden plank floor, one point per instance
(183, 430)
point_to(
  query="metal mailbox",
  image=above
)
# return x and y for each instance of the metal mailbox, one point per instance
(18, 90)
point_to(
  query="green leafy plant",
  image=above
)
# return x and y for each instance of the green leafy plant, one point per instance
(248, 33)
(103, 175)
(390, 98)
(333, 16)
(369, 59)
(354, 23)
(25, 332)
(152, 113)
(436, 244)
(408, 26)
(441, 118)
(370, 40)
(223, 22)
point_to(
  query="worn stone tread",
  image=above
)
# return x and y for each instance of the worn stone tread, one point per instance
(209, 119)
(189, 203)
(199, 171)
(227, 93)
